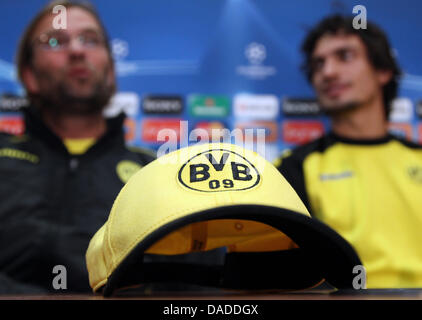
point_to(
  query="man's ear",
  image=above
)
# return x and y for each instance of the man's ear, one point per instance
(384, 76)
(29, 80)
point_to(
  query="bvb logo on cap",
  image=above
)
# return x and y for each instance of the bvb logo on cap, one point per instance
(218, 170)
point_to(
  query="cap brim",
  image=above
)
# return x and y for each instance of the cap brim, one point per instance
(322, 254)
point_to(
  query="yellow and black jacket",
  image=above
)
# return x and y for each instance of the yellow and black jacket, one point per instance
(52, 202)
(370, 192)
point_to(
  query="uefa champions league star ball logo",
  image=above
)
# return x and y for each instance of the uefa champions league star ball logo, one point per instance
(120, 49)
(255, 53)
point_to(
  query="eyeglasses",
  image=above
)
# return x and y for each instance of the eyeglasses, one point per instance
(59, 41)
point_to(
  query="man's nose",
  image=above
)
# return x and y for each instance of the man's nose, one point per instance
(76, 48)
(76, 51)
(330, 68)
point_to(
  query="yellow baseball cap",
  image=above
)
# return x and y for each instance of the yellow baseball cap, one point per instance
(210, 196)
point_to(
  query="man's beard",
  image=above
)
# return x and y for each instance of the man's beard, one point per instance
(61, 100)
(336, 110)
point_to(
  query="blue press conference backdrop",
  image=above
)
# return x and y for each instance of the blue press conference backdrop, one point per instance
(222, 63)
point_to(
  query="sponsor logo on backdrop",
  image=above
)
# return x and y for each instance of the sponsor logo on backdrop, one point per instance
(162, 105)
(209, 106)
(12, 102)
(127, 102)
(403, 130)
(12, 124)
(269, 128)
(255, 54)
(402, 110)
(300, 107)
(152, 127)
(255, 106)
(301, 132)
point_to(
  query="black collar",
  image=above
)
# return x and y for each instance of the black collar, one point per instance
(384, 139)
(35, 126)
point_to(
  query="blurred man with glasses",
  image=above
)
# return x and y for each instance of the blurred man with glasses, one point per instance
(60, 178)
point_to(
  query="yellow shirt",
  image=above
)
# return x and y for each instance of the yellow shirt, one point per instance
(78, 146)
(370, 192)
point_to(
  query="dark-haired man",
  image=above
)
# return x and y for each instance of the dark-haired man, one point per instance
(359, 179)
(59, 180)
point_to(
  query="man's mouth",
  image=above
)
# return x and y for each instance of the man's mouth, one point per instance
(79, 72)
(334, 90)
